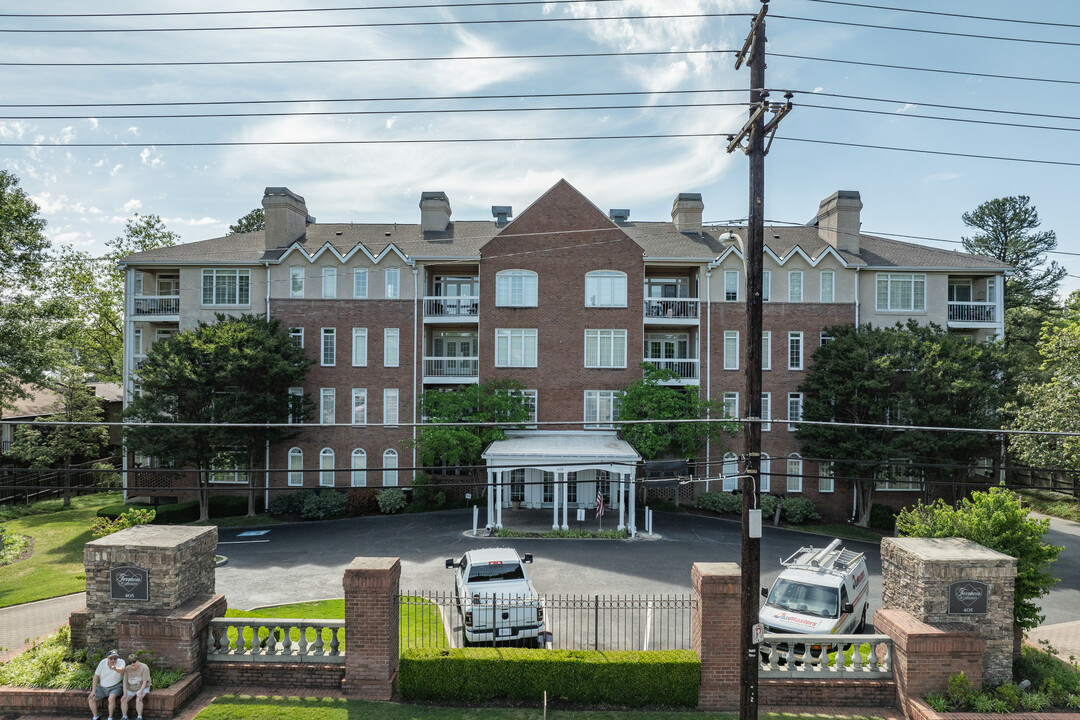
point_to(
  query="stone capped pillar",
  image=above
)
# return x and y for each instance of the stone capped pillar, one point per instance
(917, 574)
(178, 563)
(714, 633)
(371, 627)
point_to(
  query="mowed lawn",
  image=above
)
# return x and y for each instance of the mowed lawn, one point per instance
(56, 566)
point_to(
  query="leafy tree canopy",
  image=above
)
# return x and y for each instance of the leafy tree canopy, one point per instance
(648, 399)
(254, 220)
(994, 519)
(899, 377)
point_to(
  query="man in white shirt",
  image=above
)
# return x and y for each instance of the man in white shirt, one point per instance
(108, 682)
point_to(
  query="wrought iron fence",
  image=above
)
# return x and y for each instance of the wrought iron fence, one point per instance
(27, 485)
(566, 622)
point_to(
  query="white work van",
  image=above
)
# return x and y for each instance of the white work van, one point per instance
(820, 591)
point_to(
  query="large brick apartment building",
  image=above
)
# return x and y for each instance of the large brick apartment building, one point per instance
(563, 298)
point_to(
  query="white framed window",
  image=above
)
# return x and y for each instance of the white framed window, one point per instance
(359, 406)
(549, 486)
(730, 472)
(393, 283)
(139, 284)
(766, 350)
(766, 411)
(532, 398)
(136, 345)
(359, 347)
(327, 399)
(605, 348)
(228, 467)
(991, 290)
(794, 286)
(795, 353)
(296, 281)
(605, 288)
(296, 467)
(296, 403)
(515, 347)
(390, 346)
(358, 466)
(826, 477)
(390, 406)
(731, 349)
(329, 283)
(329, 347)
(766, 285)
(900, 292)
(517, 484)
(296, 334)
(794, 410)
(601, 408)
(897, 475)
(731, 405)
(226, 287)
(794, 473)
(515, 288)
(828, 286)
(826, 339)
(765, 473)
(360, 283)
(390, 464)
(731, 286)
(326, 467)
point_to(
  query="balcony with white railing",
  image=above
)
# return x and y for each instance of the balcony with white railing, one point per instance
(686, 369)
(451, 369)
(451, 308)
(159, 306)
(973, 314)
(672, 311)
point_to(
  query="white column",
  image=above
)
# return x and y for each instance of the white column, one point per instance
(622, 504)
(490, 500)
(499, 500)
(555, 503)
(566, 498)
(633, 510)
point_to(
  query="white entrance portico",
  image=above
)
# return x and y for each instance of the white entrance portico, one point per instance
(554, 469)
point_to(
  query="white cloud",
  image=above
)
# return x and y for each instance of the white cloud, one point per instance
(132, 205)
(905, 108)
(150, 157)
(93, 123)
(390, 122)
(818, 89)
(942, 177)
(116, 169)
(134, 130)
(193, 222)
(55, 205)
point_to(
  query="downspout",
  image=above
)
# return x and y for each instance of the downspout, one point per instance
(416, 358)
(854, 485)
(708, 364)
(266, 489)
(129, 362)
(856, 297)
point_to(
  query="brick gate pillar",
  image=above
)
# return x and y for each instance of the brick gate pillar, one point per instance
(371, 627)
(714, 633)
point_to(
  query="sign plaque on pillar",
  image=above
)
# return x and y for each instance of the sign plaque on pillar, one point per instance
(968, 597)
(128, 582)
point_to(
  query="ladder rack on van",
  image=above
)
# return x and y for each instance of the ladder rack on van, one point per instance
(831, 558)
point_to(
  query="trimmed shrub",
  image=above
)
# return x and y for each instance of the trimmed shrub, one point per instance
(291, 502)
(326, 504)
(768, 506)
(231, 505)
(667, 678)
(111, 512)
(883, 518)
(104, 526)
(108, 478)
(719, 502)
(391, 500)
(799, 510)
(362, 501)
(177, 513)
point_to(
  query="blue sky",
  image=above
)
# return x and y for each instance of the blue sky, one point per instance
(86, 193)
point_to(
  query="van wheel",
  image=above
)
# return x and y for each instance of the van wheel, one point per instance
(862, 622)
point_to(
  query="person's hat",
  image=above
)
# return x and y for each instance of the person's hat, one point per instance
(112, 654)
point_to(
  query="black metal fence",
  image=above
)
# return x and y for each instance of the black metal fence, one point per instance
(24, 485)
(568, 622)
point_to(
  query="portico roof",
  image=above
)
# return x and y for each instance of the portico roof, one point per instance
(551, 447)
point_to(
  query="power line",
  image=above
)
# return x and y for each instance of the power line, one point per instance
(317, 61)
(946, 14)
(924, 152)
(966, 108)
(926, 69)
(424, 23)
(920, 116)
(927, 32)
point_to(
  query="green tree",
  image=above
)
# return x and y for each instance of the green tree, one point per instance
(891, 379)
(30, 321)
(236, 370)
(648, 399)
(92, 290)
(253, 221)
(54, 443)
(994, 519)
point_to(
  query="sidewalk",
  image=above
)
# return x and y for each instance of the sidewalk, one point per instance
(20, 624)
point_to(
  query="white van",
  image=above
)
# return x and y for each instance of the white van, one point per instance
(820, 591)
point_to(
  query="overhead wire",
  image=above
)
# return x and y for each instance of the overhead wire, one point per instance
(938, 13)
(868, 146)
(947, 33)
(970, 121)
(915, 68)
(965, 108)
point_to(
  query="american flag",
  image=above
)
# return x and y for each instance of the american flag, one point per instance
(599, 503)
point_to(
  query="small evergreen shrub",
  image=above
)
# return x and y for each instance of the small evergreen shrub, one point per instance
(326, 504)
(362, 501)
(798, 510)
(101, 527)
(883, 518)
(106, 477)
(114, 511)
(391, 500)
(177, 513)
(290, 502)
(719, 502)
(768, 506)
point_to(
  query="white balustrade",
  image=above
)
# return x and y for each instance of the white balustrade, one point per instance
(451, 367)
(685, 368)
(452, 306)
(672, 308)
(157, 305)
(793, 656)
(973, 312)
(275, 640)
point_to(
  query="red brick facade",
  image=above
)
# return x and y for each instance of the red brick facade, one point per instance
(371, 627)
(274, 675)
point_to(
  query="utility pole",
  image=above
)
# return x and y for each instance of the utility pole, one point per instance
(755, 132)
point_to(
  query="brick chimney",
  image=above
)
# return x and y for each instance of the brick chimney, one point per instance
(434, 211)
(838, 220)
(686, 212)
(286, 217)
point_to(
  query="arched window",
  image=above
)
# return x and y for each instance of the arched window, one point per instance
(605, 288)
(326, 467)
(516, 288)
(389, 464)
(794, 473)
(766, 467)
(359, 468)
(731, 469)
(296, 467)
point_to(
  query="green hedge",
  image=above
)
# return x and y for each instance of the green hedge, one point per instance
(667, 678)
(174, 514)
